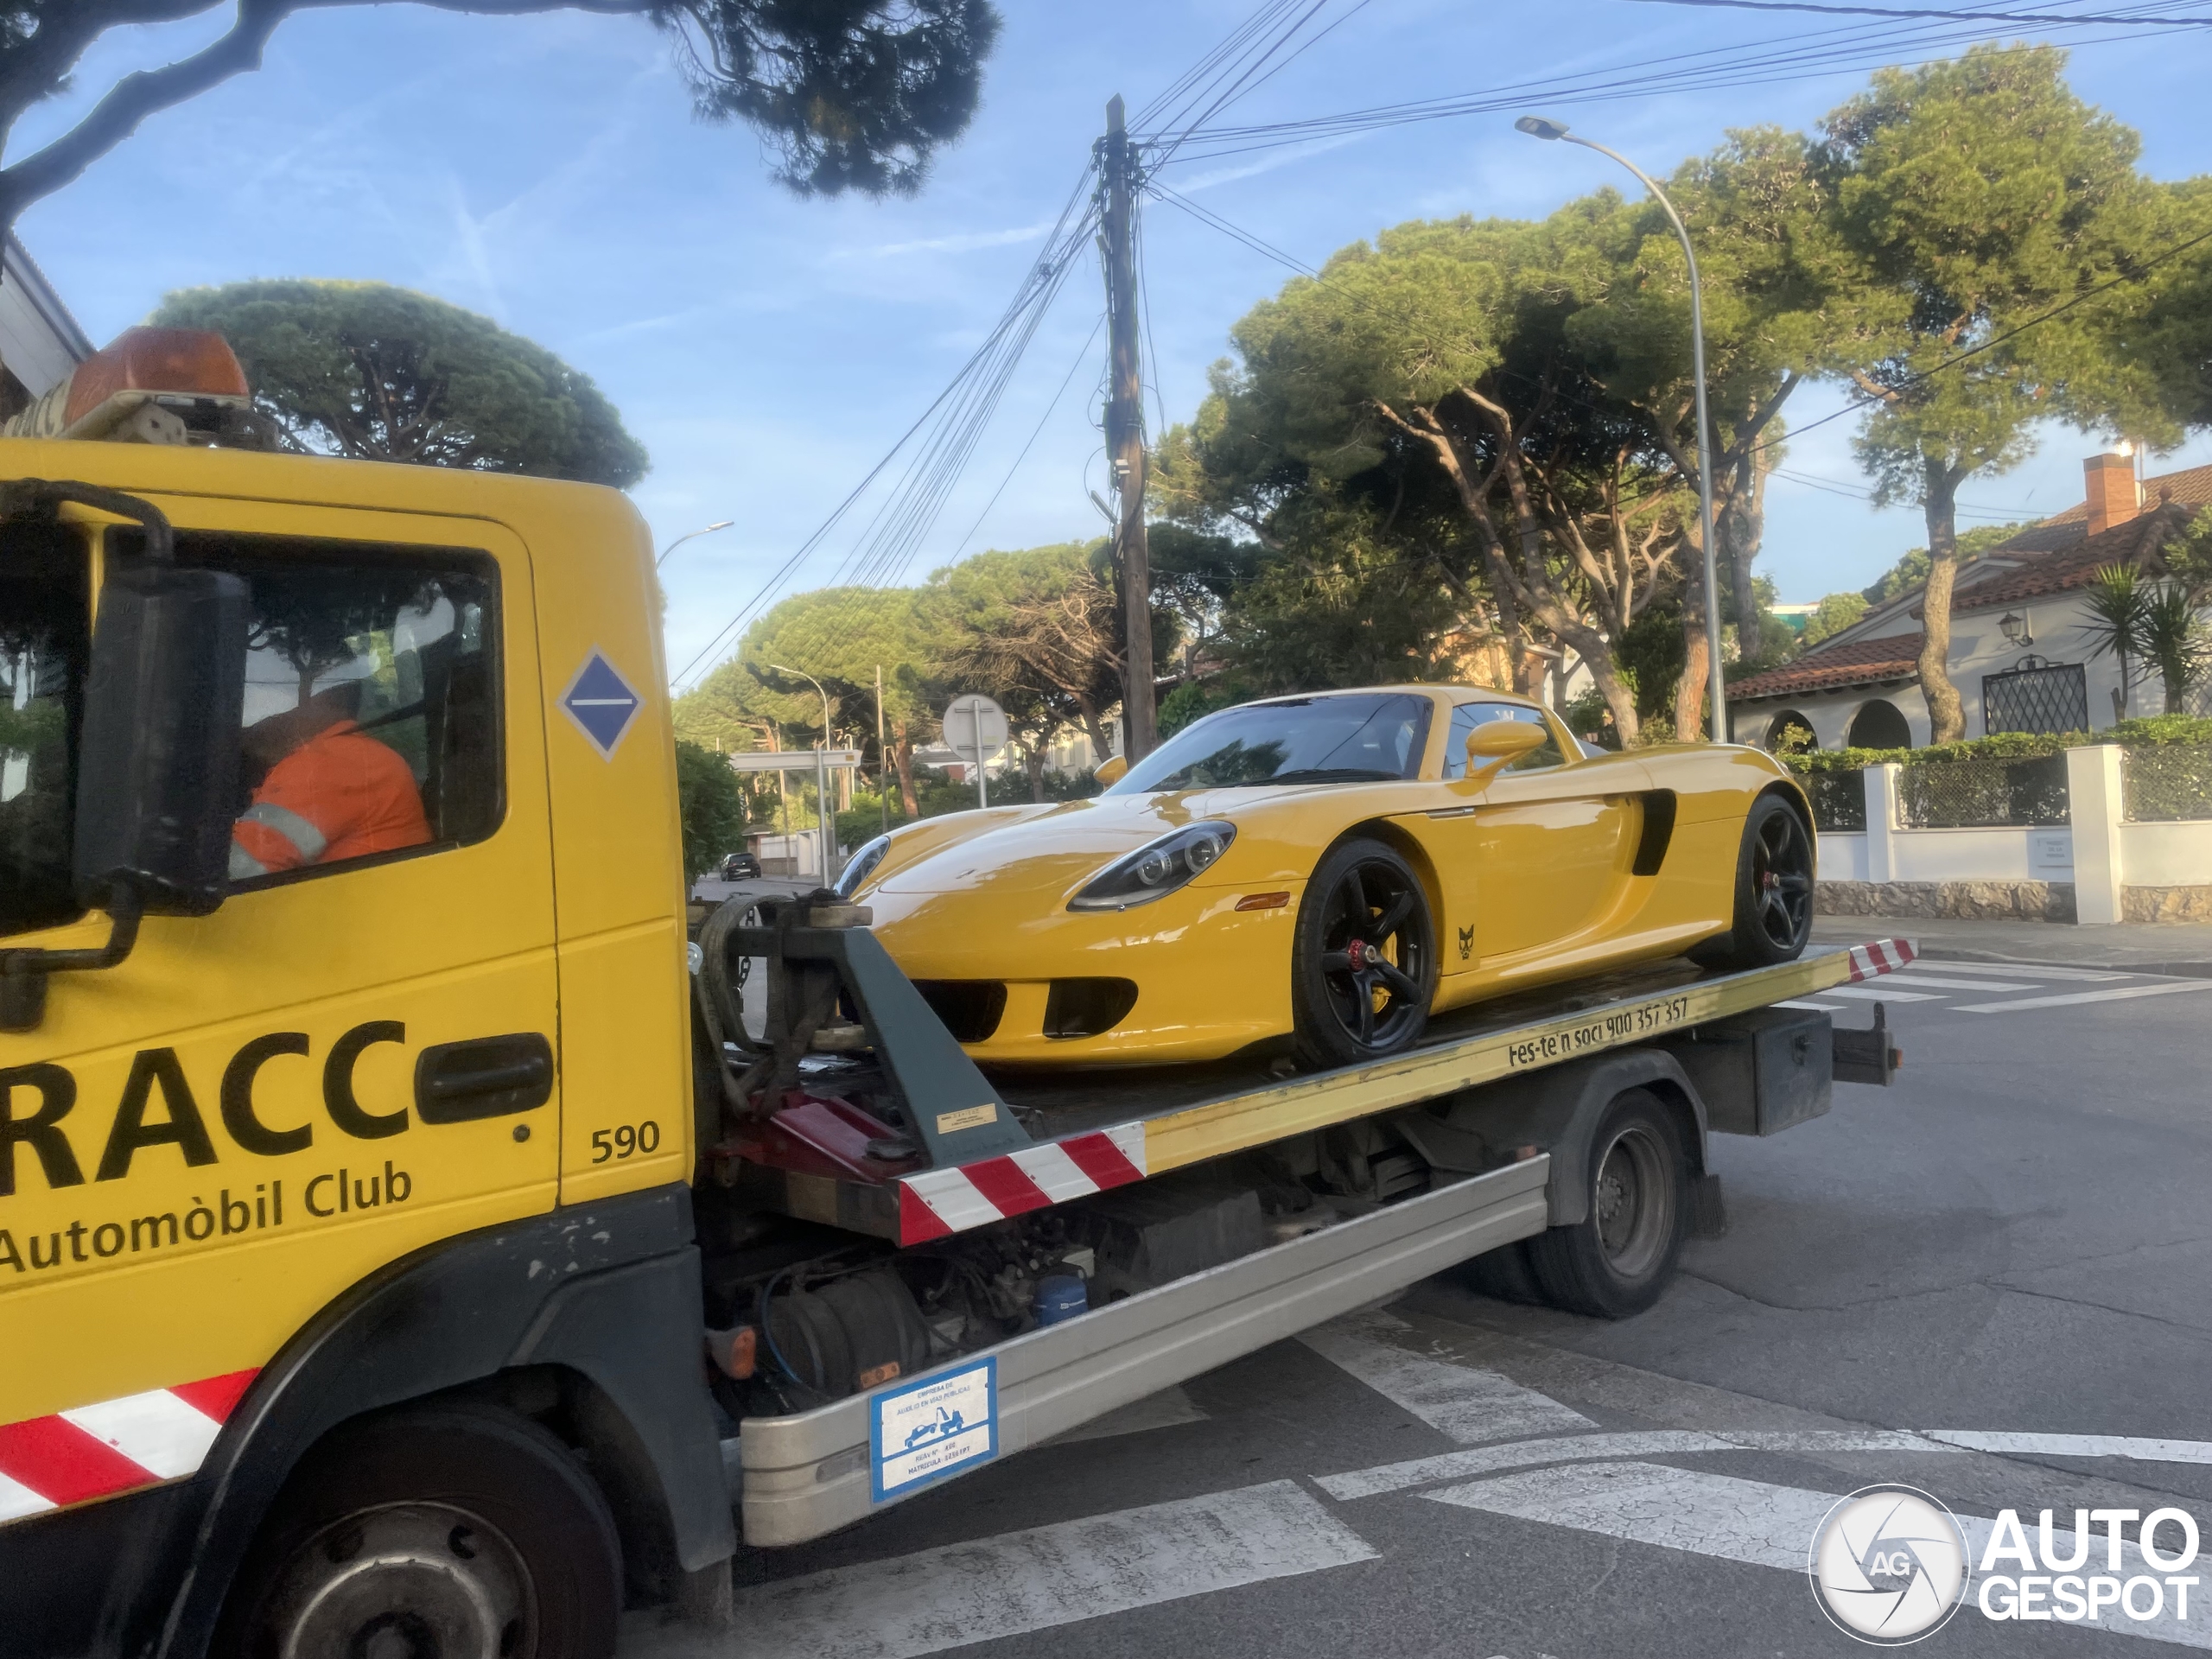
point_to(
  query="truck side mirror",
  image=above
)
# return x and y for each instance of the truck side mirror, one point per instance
(158, 775)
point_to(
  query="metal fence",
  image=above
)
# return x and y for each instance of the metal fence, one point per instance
(1983, 793)
(1839, 801)
(2166, 783)
(2049, 698)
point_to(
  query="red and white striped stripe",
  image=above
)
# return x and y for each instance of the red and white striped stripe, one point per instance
(940, 1202)
(1880, 956)
(115, 1446)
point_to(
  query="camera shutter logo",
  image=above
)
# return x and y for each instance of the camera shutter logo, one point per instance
(1889, 1565)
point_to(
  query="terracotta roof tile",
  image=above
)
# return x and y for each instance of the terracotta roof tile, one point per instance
(2133, 543)
(1827, 668)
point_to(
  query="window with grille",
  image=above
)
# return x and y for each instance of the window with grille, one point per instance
(2051, 697)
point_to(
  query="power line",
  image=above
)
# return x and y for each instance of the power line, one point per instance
(2199, 22)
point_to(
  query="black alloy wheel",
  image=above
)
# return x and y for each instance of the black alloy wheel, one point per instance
(1773, 917)
(1363, 966)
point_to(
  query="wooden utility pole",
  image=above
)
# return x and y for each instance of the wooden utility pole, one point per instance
(1125, 438)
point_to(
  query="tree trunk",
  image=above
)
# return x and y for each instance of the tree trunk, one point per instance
(1741, 528)
(902, 761)
(1939, 503)
(1689, 691)
(1033, 762)
(1618, 697)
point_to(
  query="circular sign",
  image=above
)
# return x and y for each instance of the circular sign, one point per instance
(1889, 1565)
(974, 722)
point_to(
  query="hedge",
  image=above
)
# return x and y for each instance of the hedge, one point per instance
(2148, 732)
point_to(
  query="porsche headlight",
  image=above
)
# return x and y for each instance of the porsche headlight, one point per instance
(1157, 868)
(863, 865)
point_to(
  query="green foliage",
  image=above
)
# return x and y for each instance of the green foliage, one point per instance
(1195, 699)
(1910, 571)
(711, 806)
(845, 94)
(2147, 732)
(1836, 612)
(381, 373)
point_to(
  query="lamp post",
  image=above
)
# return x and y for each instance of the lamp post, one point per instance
(709, 529)
(826, 828)
(1537, 127)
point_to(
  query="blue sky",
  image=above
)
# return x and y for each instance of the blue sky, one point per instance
(546, 171)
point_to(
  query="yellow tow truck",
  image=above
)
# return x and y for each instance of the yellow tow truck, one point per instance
(441, 1236)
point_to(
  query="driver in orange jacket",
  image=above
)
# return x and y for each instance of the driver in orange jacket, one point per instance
(331, 791)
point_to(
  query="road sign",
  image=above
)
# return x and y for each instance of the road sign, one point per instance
(974, 722)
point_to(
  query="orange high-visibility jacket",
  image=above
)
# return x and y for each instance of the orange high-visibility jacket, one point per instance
(339, 795)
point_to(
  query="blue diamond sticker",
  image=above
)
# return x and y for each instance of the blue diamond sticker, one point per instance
(602, 703)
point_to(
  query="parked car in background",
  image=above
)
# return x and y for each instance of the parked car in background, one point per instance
(739, 867)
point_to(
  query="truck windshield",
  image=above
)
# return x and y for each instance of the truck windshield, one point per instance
(45, 640)
(1356, 737)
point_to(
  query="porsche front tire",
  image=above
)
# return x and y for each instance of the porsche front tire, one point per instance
(1363, 961)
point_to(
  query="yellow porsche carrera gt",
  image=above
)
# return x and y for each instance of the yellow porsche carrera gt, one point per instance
(1332, 869)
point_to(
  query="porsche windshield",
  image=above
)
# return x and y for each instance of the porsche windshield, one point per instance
(1369, 737)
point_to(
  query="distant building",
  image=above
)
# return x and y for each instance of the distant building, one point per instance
(39, 341)
(2019, 655)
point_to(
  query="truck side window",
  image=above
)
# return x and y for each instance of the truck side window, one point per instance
(372, 721)
(44, 646)
(1468, 715)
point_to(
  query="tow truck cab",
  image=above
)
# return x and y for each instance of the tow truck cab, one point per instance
(359, 1205)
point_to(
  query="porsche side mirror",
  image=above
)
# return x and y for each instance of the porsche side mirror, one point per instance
(1111, 770)
(1491, 745)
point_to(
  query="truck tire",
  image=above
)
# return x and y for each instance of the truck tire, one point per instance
(1616, 1260)
(454, 1532)
(1773, 905)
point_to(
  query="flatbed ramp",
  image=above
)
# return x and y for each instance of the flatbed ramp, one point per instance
(801, 1476)
(1094, 1130)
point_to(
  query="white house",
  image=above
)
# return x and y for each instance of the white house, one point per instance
(39, 341)
(2019, 656)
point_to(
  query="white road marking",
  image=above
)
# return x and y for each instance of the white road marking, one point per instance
(2172, 987)
(1973, 984)
(1878, 994)
(1035, 1581)
(2077, 1446)
(1628, 1443)
(1747, 1520)
(1460, 1401)
(1650, 1503)
(2016, 969)
(1162, 1410)
(1823, 1007)
(156, 1430)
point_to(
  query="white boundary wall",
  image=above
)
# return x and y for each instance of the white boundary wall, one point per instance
(2100, 852)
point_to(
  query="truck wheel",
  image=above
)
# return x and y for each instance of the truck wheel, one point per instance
(1616, 1260)
(447, 1533)
(1774, 890)
(1362, 962)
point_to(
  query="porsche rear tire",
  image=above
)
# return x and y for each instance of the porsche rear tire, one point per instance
(1363, 961)
(1773, 908)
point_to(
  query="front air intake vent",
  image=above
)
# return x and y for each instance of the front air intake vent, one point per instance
(1084, 1007)
(971, 1009)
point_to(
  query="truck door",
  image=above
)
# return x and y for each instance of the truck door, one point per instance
(1546, 838)
(354, 1056)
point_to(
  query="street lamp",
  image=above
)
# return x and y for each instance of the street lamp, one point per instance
(723, 524)
(1537, 127)
(826, 828)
